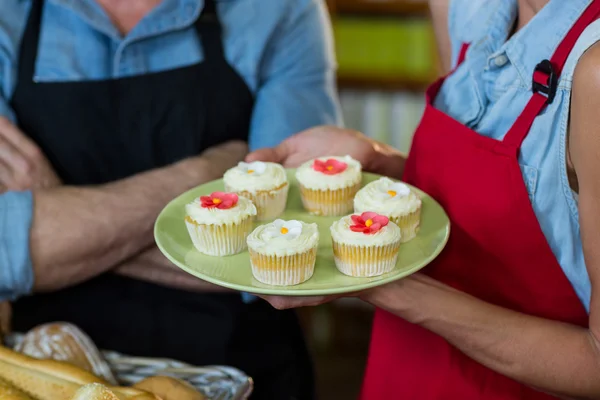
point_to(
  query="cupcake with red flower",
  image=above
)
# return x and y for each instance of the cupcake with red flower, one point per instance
(219, 223)
(365, 245)
(328, 184)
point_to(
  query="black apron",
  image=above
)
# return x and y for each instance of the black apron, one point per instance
(95, 132)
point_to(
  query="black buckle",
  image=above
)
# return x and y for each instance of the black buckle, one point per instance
(551, 85)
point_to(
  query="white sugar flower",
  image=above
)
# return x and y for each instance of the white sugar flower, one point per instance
(285, 229)
(254, 168)
(393, 190)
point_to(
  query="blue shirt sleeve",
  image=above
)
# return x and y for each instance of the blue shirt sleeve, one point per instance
(296, 88)
(16, 272)
(16, 208)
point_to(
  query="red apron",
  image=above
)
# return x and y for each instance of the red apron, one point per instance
(497, 251)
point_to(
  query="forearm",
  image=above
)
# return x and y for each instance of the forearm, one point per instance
(551, 356)
(78, 233)
(439, 16)
(151, 266)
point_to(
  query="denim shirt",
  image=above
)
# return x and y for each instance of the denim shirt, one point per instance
(282, 49)
(491, 88)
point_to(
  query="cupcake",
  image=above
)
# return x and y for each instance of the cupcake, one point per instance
(328, 185)
(283, 253)
(393, 199)
(219, 224)
(264, 183)
(365, 245)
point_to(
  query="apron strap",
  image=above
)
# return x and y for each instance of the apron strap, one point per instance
(29, 42)
(546, 76)
(462, 55)
(208, 27)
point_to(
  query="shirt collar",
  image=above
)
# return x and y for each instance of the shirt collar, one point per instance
(168, 15)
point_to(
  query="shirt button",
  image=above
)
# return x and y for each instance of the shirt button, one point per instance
(501, 60)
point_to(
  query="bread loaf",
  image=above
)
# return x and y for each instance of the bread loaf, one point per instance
(9, 392)
(65, 342)
(168, 388)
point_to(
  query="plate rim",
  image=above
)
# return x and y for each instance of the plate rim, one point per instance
(285, 290)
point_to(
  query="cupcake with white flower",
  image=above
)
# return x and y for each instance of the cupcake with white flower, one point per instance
(328, 184)
(283, 253)
(365, 245)
(395, 200)
(219, 223)
(265, 183)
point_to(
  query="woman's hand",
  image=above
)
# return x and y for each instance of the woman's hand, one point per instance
(332, 141)
(23, 166)
(399, 297)
(287, 302)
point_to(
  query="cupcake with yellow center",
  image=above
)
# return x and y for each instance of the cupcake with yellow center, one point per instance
(365, 245)
(328, 184)
(395, 200)
(264, 183)
(283, 253)
(219, 224)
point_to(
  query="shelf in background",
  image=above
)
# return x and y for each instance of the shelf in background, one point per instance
(382, 83)
(378, 7)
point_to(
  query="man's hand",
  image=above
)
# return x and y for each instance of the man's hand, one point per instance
(23, 166)
(332, 141)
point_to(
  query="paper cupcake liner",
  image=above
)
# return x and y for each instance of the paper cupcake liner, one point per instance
(329, 202)
(269, 204)
(409, 225)
(219, 240)
(365, 261)
(283, 270)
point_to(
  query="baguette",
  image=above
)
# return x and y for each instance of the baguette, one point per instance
(66, 342)
(168, 388)
(97, 391)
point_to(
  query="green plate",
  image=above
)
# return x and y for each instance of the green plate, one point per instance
(234, 272)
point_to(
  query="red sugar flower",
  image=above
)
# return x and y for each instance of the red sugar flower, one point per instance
(220, 200)
(368, 222)
(329, 167)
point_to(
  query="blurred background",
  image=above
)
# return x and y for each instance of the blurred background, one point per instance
(386, 56)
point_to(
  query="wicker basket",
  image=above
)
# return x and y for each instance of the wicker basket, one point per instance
(216, 382)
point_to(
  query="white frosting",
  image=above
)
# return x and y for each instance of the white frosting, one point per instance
(341, 233)
(315, 180)
(216, 216)
(282, 238)
(255, 176)
(386, 197)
